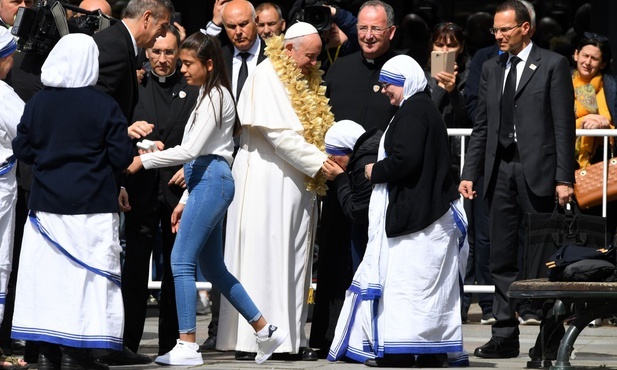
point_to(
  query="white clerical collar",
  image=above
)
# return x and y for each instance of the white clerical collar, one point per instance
(135, 48)
(162, 79)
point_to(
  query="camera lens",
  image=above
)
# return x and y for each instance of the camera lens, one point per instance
(318, 16)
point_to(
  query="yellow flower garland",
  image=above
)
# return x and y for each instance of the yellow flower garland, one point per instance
(308, 99)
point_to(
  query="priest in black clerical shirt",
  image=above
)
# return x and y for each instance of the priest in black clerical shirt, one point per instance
(165, 101)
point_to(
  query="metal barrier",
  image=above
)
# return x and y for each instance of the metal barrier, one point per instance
(462, 133)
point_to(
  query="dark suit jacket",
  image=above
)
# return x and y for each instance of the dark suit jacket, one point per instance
(472, 86)
(118, 66)
(228, 57)
(544, 120)
(143, 185)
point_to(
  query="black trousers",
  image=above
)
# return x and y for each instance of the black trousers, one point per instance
(142, 224)
(478, 270)
(509, 200)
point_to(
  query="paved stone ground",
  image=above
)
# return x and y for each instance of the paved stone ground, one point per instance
(596, 348)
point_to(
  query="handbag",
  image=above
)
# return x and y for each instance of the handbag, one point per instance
(547, 232)
(588, 185)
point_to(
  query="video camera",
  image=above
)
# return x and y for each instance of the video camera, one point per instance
(39, 28)
(313, 12)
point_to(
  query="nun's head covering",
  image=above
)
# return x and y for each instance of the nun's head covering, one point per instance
(7, 43)
(73, 62)
(404, 71)
(342, 136)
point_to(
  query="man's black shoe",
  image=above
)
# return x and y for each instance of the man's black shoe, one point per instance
(79, 359)
(245, 356)
(308, 354)
(50, 357)
(433, 360)
(498, 347)
(391, 361)
(124, 357)
(209, 344)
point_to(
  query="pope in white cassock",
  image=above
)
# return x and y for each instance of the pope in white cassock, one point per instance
(271, 221)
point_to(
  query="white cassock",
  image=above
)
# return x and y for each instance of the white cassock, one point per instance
(271, 220)
(11, 109)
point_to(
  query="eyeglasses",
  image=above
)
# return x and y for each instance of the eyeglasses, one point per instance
(167, 52)
(374, 29)
(595, 36)
(384, 85)
(503, 30)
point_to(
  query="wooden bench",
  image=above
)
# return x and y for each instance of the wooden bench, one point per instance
(587, 301)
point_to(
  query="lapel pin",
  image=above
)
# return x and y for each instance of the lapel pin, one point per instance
(533, 67)
(182, 95)
(376, 88)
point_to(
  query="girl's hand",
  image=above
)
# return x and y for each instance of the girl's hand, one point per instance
(175, 217)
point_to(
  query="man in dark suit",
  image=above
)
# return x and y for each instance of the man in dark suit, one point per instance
(165, 100)
(523, 142)
(142, 22)
(239, 21)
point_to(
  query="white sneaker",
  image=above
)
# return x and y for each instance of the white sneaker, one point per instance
(267, 346)
(183, 354)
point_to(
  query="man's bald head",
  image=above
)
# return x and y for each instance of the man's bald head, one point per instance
(239, 22)
(93, 5)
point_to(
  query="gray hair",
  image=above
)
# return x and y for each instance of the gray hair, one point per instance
(264, 6)
(159, 8)
(532, 13)
(386, 7)
(295, 42)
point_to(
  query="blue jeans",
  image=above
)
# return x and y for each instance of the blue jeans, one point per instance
(211, 189)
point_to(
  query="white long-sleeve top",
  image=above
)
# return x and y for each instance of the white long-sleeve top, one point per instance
(202, 134)
(11, 110)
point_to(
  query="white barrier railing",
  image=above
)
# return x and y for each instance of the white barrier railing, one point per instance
(462, 133)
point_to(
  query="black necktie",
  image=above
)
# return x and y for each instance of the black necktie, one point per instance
(506, 129)
(243, 74)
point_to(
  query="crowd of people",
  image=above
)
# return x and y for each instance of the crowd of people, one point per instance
(238, 148)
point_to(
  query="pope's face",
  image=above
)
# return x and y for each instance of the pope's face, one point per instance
(306, 53)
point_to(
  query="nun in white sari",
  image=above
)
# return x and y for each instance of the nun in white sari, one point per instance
(68, 285)
(403, 306)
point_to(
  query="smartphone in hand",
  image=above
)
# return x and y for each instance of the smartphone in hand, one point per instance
(442, 61)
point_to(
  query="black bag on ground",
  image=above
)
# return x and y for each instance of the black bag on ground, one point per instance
(547, 232)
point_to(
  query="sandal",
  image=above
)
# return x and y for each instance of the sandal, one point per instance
(13, 363)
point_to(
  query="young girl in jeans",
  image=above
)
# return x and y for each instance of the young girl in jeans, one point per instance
(206, 151)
